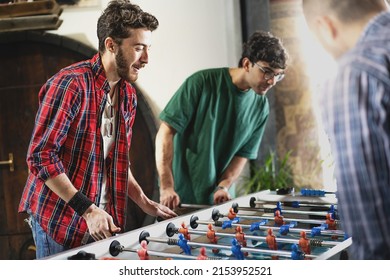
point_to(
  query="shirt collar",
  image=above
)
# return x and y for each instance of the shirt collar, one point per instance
(379, 22)
(101, 81)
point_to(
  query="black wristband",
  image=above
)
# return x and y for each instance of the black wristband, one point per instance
(80, 203)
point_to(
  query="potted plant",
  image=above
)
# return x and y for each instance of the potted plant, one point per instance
(274, 174)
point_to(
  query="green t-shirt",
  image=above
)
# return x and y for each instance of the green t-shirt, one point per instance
(215, 121)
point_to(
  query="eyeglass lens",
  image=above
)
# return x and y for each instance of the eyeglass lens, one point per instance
(268, 74)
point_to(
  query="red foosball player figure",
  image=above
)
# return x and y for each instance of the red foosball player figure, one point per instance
(331, 224)
(271, 241)
(304, 243)
(278, 218)
(202, 254)
(240, 236)
(184, 230)
(143, 251)
(212, 237)
(231, 214)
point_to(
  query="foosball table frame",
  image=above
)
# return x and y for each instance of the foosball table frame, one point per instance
(131, 240)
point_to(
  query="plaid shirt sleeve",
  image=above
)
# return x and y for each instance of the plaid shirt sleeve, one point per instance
(59, 103)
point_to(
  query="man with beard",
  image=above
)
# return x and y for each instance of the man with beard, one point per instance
(78, 156)
(214, 123)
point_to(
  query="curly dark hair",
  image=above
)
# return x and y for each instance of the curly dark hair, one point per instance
(263, 46)
(118, 18)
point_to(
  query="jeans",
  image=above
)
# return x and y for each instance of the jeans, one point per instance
(45, 245)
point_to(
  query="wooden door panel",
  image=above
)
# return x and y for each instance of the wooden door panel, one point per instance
(17, 107)
(17, 247)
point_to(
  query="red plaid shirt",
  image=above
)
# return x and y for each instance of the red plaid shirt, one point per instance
(67, 139)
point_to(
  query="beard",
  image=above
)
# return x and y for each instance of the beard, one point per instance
(123, 68)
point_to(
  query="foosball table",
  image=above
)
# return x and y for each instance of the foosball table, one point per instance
(263, 225)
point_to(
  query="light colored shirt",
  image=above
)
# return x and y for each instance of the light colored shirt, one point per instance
(357, 119)
(107, 130)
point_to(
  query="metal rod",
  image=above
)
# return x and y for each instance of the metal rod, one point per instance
(173, 255)
(218, 246)
(172, 229)
(319, 204)
(304, 221)
(293, 230)
(195, 206)
(217, 215)
(121, 248)
(287, 211)
(263, 238)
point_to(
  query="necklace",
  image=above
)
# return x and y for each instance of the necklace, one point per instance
(109, 112)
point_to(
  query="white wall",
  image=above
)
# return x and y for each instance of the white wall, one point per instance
(192, 35)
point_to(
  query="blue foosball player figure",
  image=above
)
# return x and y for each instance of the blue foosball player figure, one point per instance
(182, 242)
(296, 253)
(236, 249)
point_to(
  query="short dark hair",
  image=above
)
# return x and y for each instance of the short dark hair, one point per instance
(346, 11)
(118, 18)
(263, 46)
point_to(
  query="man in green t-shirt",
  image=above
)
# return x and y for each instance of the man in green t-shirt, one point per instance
(214, 123)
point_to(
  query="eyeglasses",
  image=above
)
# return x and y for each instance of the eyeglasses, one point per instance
(269, 74)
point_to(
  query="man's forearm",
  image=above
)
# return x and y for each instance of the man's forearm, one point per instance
(232, 172)
(164, 155)
(62, 186)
